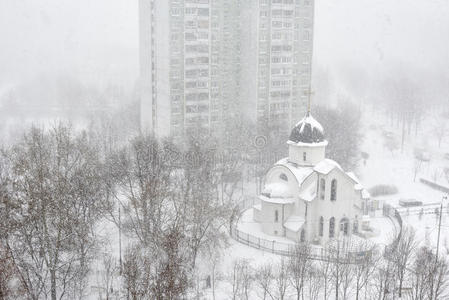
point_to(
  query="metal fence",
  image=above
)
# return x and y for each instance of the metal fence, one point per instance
(393, 213)
(343, 254)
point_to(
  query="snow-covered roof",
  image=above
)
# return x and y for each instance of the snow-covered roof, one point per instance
(300, 173)
(353, 177)
(277, 200)
(310, 145)
(309, 193)
(277, 190)
(308, 130)
(358, 186)
(294, 223)
(326, 166)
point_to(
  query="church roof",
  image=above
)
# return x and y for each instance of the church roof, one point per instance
(309, 193)
(308, 130)
(326, 166)
(300, 173)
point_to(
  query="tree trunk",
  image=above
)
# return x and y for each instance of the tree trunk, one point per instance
(53, 284)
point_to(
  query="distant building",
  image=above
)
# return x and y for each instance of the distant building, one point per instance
(189, 64)
(277, 46)
(307, 197)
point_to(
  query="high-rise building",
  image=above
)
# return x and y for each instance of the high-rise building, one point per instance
(203, 61)
(277, 48)
(189, 57)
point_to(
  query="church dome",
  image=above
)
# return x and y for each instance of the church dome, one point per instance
(308, 130)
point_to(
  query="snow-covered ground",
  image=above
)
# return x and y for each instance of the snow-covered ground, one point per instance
(383, 167)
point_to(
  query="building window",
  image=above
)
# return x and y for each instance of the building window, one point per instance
(276, 216)
(332, 227)
(303, 236)
(321, 229)
(322, 188)
(356, 225)
(334, 190)
(304, 156)
(283, 177)
(344, 226)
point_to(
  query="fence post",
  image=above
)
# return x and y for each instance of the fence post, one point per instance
(273, 247)
(247, 238)
(259, 243)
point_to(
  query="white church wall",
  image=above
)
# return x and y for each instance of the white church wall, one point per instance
(343, 207)
(268, 214)
(295, 236)
(301, 208)
(313, 154)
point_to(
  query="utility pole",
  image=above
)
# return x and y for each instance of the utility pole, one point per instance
(439, 225)
(438, 240)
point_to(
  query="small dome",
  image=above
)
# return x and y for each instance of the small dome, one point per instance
(308, 130)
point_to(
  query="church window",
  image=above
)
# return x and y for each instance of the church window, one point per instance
(334, 190)
(344, 226)
(356, 225)
(321, 226)
(322, 188)
(304, 156)
(276, 216)
(332, 227)
(283, 177)
(303, 236)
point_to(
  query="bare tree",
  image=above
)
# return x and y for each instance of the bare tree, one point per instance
(364, 268)
(417, 168)
(325, 271)
(281, 279)
(299, 265)
(314, 283)
(204, 215)
(429, 277)
(264, 279)
(241, 279)
(402, 254)
(441, 129)
(108, 276)
(383, 280)
(61, 196)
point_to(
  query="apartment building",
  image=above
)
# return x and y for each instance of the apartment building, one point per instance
(279, 55)
(189, 60)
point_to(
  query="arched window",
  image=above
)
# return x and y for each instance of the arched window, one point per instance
(344, 226)
(334, 190)
(322, 188)
(303, 236)
(332, 227)
(356, 225)
(321, 228)
(276, 216)
(283, 177)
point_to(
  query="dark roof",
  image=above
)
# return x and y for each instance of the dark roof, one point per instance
(308, 130)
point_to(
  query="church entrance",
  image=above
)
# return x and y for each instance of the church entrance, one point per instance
(344, 226)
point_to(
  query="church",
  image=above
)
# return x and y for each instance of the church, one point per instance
(307, 197)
